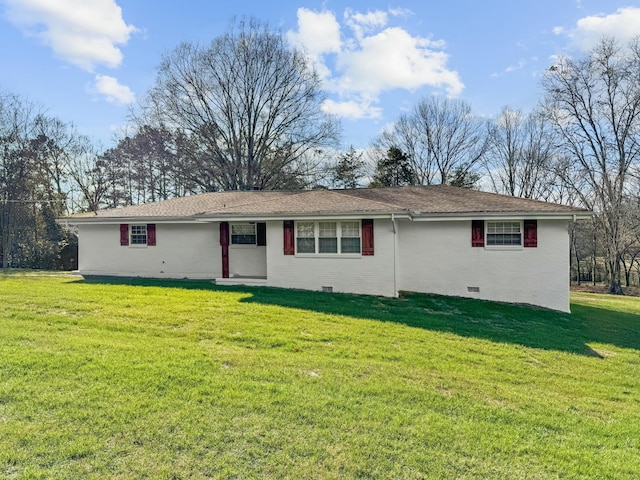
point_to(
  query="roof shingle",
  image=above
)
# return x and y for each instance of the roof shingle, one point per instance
(415, 200)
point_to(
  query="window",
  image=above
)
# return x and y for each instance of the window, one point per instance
(504, 233)
(138, 234)
(328, 237)
(243, 234)
(350, 237)
(305, 237)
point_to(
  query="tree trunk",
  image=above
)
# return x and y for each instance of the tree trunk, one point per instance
(575, 252)
(627, 273)
(615, 286)
(594, 260)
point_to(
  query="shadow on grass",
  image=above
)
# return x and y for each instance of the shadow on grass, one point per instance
(517, 324)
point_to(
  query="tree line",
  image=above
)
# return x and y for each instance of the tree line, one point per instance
(245, 112)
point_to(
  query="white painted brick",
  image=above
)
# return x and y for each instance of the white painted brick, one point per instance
(437, 257)
(367, 274)
(182, 250)
(432, 257)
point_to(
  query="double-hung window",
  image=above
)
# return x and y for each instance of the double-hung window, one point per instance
(328, 237)
(138, 234)
(350, 237)
(305, 237)
(504, 233)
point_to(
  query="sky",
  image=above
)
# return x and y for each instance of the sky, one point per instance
(89, 61)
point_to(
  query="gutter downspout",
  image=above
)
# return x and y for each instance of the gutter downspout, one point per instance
(395, 255)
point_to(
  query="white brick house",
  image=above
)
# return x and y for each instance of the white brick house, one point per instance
(434, 239)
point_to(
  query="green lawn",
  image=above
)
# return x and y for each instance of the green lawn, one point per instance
(176, 380)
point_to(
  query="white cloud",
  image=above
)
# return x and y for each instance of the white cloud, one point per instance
(400, 12)
(351, 109)
(83, 33)
(519, 66)
(377, 18)
(624, 25)
(395, 59)
(362, 23)
(511, 68)
(112, 90)
(318, 33)
(371, 57)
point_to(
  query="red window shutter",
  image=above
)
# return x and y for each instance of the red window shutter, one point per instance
(151, 234)
(224, 243)
(367, 236)
(477, 233)
(289, 238)
(531, 233)
(124, 234)
(224, 233)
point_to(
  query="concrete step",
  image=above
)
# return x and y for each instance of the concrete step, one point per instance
(253, 281)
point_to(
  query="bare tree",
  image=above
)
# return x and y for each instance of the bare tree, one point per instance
(16, 169)
(520, 154)
(249, 103)
(91, 172)
(405, 136)
(454, 137)
(442, 139)
(52, 147)
(594, 105)
(34, 151)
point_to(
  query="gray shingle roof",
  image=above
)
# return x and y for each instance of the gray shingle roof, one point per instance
(434, 200)
(443, 199)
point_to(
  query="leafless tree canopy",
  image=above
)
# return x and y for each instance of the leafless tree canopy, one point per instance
(34, 170)
(250, 103)
(520, 154)
(594, 105)
(441, 136)
(454, 136)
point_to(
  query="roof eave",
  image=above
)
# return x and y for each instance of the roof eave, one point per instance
(252, 217)
(566, 215)
(111, 220)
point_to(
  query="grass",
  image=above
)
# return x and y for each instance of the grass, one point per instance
(175, 380)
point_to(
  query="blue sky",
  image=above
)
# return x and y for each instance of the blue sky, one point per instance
(88, 61)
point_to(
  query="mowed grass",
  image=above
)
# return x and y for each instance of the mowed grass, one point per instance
(177, 380)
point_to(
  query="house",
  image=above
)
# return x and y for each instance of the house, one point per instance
(378, 241)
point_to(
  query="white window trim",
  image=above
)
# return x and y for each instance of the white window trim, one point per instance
(316, 237)
(146, 236)
(503, 247)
